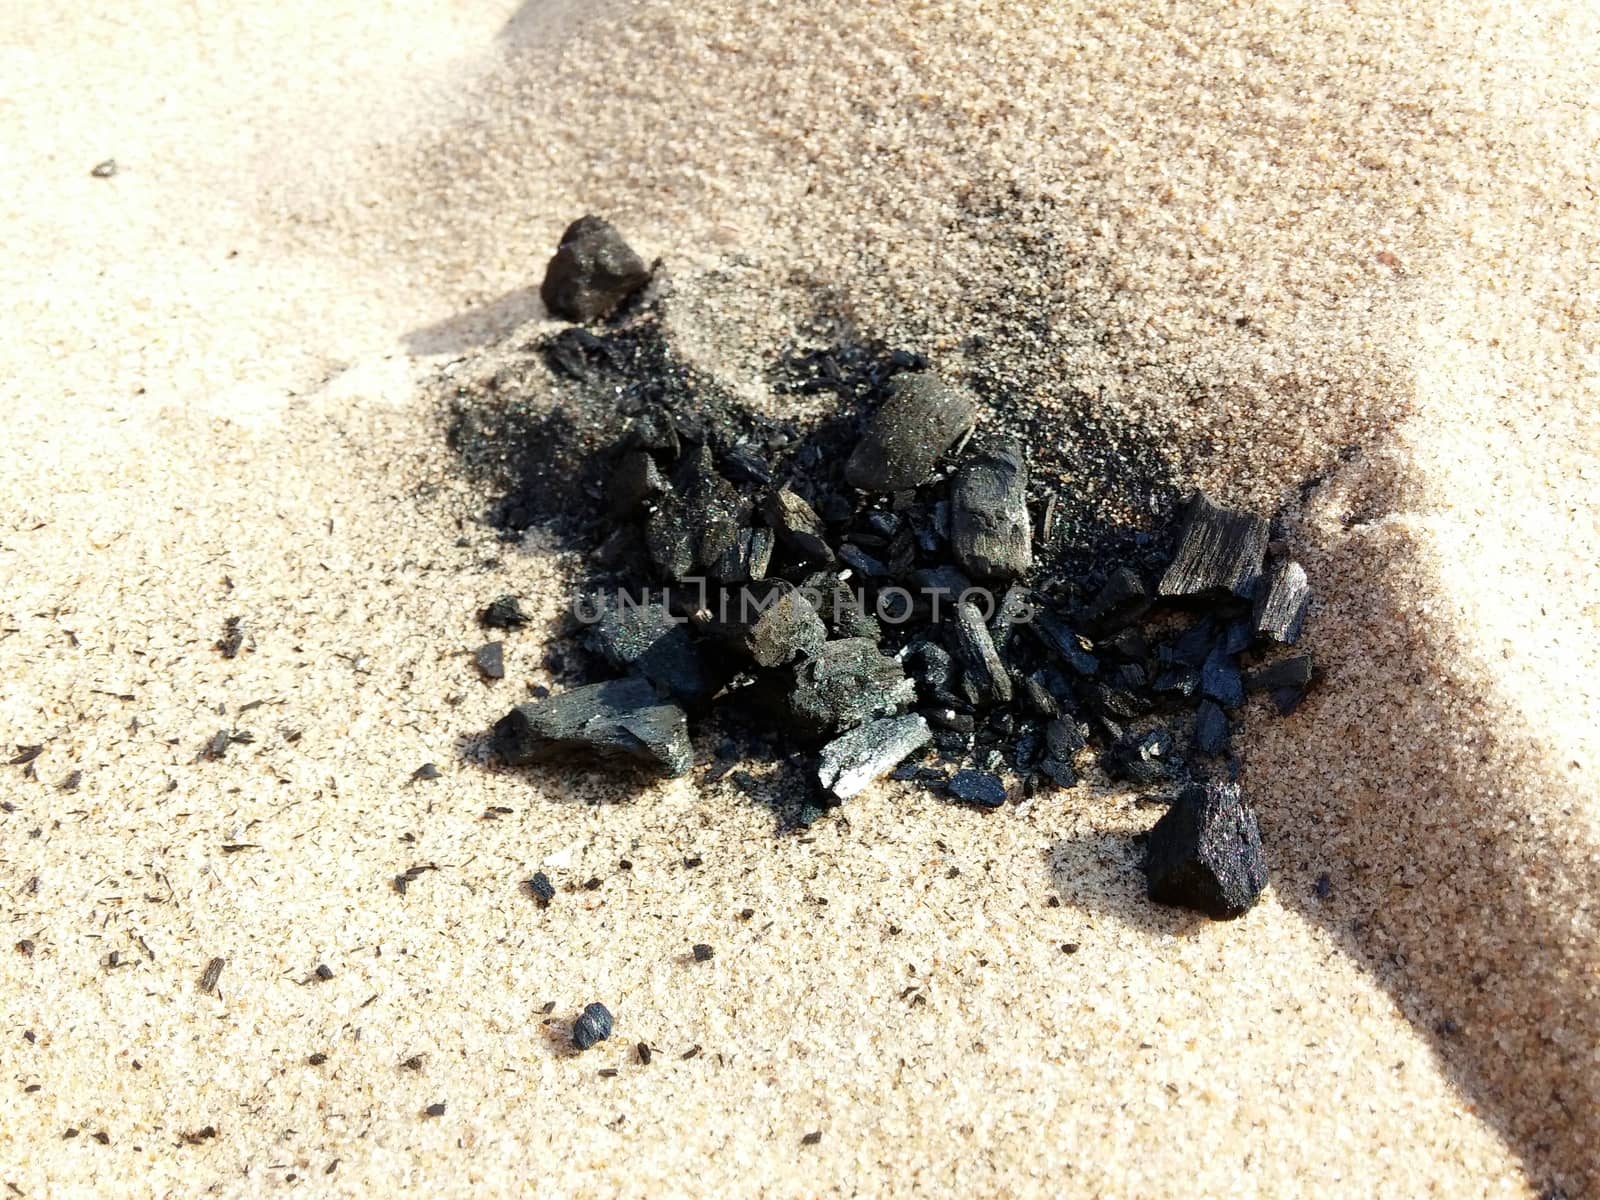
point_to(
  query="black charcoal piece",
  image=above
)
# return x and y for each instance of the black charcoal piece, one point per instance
(844, 609)
(1059, 772)
(1281, 602)
(852, 761)
(1210, 728)
(577, 352)
(1220, 679)
(977, 787)
(592, 272)
(746, 561)
(323, 972)
(633, 481)
(974, 649)
(1218, 549)
(742, 464)
(541, 889)
(1205, 852)
(1181, 680)
(426, 771)
(504, 612)
(773, 623)
(797, 525)
(1295, 672)
(491, 660)
(1016, 607)
(615, 721)
(1116, 702)
(844, 683)
(647, 639)
(592, 1026)
(921, 419)
(1063, 738)
(655, 431)
(990, 533)
(1059, 638)
(1028, 749)
(1121, 600)
(1036, 696)
(696, 519)
(1143, 758)
(1236, 637)
(703, 952)
(1129, 643)
(949, 718)
(1191, 646)
(862, 563)
(1287, 699)
(435, 1109)
(935, 672)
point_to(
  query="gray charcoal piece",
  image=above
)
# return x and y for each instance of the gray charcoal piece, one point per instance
(1211, 728)
(982, 788)
(1016, 607)
(592, 272)
(797, 525)
(844, 683)
(852, 761)
(490, 659)
(774, 624)
(990, 533)
(1205, 853)
(1281, 602)
(619, 721)
(646, 639)
(974, 649)
(921, 419)
(1219, 549)
(504, 612)
(1143, 757)
(862, 563)
(696, 519)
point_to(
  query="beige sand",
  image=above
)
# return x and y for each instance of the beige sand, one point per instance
(209, 380)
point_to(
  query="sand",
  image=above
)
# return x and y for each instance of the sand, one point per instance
(1293, 242)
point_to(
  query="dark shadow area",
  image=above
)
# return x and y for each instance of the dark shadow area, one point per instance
(1103, 873)
(544, 21)
(476, 327)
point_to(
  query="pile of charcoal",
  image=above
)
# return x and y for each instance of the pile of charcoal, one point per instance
(888, 598)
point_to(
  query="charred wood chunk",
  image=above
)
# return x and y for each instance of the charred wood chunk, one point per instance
(852, 761)
(648, 640)
(844, 683)
(797, 525)
(1218, 550)
(1205, 853)
(619, 721)
(696, 520)
(922, 418)
(1281, 602)
(974, 649)
(592, 272)
(990, 534)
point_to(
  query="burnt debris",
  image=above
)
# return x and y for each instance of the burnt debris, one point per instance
(901, 590)
(1205, 852)
(592, 1027)
(592, 272)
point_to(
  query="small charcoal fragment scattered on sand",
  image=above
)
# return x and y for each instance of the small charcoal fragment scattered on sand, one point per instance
(490, 660)
(503, 612)
(982, 788)
(1205, 852)
(622, 720)
(592, 272)
(592, 1027)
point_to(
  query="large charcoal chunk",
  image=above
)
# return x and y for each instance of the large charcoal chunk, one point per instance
(797, 523)
(1218, 550)
(921, 419)
(649, 640)
(592, 272)
(1205, 852)
(622, 720)
(852, 761)
(697, 520)
(990, 534)
(844, 683)
(1281, 602)
(974, 649)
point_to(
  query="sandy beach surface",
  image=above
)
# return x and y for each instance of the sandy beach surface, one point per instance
(1286, 245)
